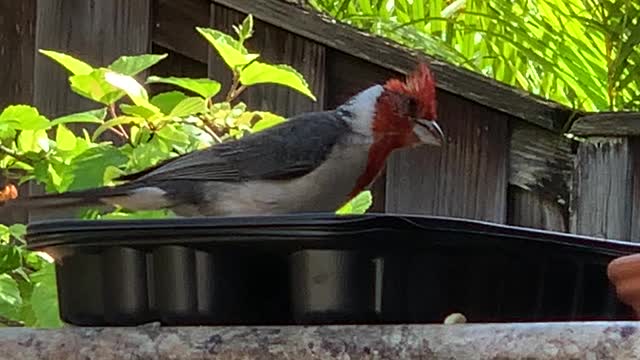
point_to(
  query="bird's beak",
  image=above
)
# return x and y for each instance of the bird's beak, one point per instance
(428, 132)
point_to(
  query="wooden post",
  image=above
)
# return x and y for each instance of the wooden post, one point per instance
(606, 195)
(17, 47)
(540, 168)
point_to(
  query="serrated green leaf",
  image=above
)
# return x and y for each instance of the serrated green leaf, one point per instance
(167, 101)
(204, 87)
(189, 106)
(174, 136)
(91, 116)
(94, 86)
(358, 205)
(89, 167)
(10, 300)
(23, 117)
(65, 138)
(44, 298)
(129, 85)
(133, 65)
(75, 66)
(258, 73)
(139, 111)
(232, 51)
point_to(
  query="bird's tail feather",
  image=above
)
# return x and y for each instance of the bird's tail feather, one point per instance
(78, 198)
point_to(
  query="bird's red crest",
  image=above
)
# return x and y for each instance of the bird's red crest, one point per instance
(420, 85)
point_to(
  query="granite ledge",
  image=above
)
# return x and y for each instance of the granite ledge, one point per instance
(568, 340)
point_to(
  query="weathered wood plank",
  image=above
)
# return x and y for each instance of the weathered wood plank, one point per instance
(175, 27)
(540, 170)
(387, 54)
(96, 32)
(275, 46)
(613, 340)
(467, 177)
(634, 143)
(17, 49)
(607, 124)
(602, 191)
(535, 210)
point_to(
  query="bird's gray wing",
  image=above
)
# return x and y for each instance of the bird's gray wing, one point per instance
(287, 150)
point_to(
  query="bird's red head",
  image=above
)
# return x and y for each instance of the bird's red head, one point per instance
(406, 111)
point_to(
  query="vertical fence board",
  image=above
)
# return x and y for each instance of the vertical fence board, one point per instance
(96, 32)
(635, 198)
(603, 183)
(467, 177)
(275, 46)
(540, 169)
(17, 49)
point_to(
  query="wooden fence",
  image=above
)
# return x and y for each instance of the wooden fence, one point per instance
(506, 159)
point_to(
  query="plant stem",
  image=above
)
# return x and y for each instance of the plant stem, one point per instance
(234, 85)
(122, 132)
(9, 322)
(5, 150)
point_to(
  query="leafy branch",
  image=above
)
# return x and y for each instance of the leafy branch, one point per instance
(156, 127)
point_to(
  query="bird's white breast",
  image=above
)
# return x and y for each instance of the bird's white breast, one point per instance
(324, 189)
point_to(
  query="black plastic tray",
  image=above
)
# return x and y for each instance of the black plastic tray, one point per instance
(310, 269)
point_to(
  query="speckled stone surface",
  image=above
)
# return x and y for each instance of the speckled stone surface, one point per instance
(591, 340)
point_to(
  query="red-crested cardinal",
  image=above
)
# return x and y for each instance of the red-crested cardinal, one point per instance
(313, 162)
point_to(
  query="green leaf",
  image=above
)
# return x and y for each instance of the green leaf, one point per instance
(204, 87)
(18, 231)
(75, 66)
(120, 120)
(245, 30)
(144, 214)
(10, 258)
(174, 136)
(133, 65)
(358, 205)
(94, 86)
(65, 138)
(258, 72)
(44, 298)
(168, 100)
(5, 234)
(267, 120)
(189, 106)
(23, 117)
(139, 110)
(91, 116)
(10, 300)
(33, 141)
(129, 85)
(89, 167)
(232, 51)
